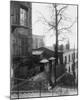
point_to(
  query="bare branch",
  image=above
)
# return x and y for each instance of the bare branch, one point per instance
(62, 39)
(66, 18)
(59, 19)
(61, 31)
(59, 11)
(48, 30)
(67, 28)
(45, 21)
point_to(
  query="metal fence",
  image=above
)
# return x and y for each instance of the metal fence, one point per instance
(23, 88)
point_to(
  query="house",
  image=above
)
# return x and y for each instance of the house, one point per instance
(46, 59)
(20, 37)
(37, 41)
(70, 57)
(21, 30)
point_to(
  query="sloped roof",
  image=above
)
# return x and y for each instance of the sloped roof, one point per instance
(44, 61)
(51, 58)
(46, 52)
(37, 52)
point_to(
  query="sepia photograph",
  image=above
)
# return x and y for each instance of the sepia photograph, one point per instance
(43, 49)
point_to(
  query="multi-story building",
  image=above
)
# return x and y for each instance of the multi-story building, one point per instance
(67, 47)
(37, 41)
(21, 37)
(70, 57)
(21, 31)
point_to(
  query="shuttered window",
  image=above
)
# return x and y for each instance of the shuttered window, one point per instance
(15, 14)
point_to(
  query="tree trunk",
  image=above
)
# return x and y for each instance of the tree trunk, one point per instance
(56, 48)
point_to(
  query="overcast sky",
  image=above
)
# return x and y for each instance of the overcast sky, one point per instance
(38, 28)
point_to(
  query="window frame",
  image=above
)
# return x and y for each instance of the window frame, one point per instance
(27, 16)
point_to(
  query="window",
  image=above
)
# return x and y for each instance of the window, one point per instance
(69, 58)
(14, 15)
(23, 17)
(72, 56)
(77, 55)
(69, 68)
(65, 59)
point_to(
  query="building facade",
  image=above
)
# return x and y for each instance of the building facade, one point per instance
(37, 41)
(70, 59)
(20, 38)
(21, 30)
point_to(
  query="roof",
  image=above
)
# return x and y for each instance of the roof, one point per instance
(45, 52)
(36, 52)
(51, 58)
(44, 61)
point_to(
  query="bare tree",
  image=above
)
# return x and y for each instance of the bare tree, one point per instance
(55, 24)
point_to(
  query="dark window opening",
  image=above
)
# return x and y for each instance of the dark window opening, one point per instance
(69, 68)
(41, 68)
(69, 58)
(65, 59)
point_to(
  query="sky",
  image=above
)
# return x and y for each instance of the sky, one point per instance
(39, 28)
